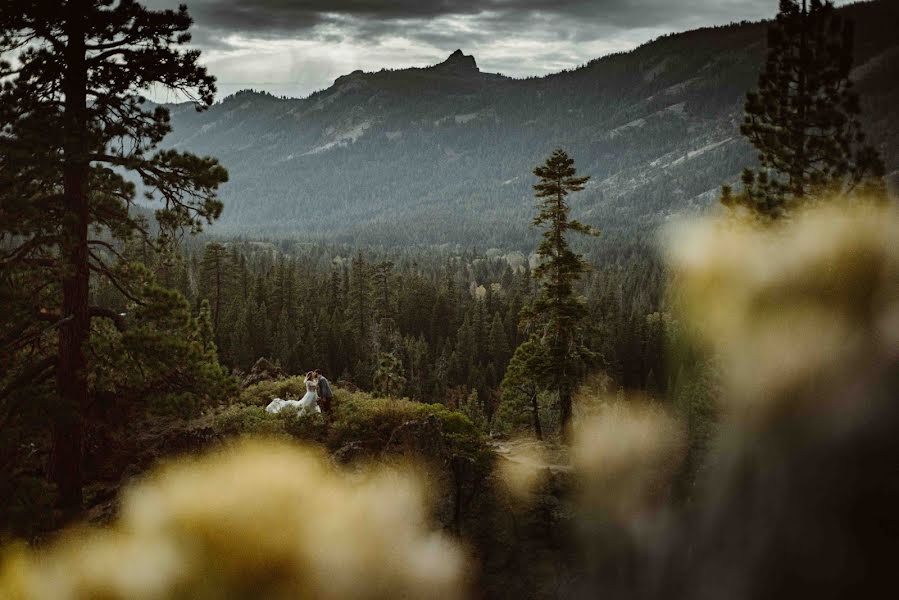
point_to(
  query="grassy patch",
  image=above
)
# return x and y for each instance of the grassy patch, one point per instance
(262, 393)
(358, 417)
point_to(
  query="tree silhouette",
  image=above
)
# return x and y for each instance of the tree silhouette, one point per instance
(73, 120)
(804, 118)
(557, 314)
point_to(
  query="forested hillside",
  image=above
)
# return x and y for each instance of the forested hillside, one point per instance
(448, 323)
(443, 154)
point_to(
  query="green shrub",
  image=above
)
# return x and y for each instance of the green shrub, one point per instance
(358, 417)
(262, 393)
(310, 428)
(241, 419)
(371, 421)
(362, 418)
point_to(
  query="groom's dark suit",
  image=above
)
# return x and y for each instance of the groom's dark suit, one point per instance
(324, 394)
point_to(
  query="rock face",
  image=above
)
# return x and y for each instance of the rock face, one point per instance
(524, 546)
(456, 479)
(263, 370)
(459, 64)
(348, 453)
(420, 438)
(116, 454)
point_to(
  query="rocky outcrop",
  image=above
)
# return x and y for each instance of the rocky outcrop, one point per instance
(263, 370)
(456, 479)
(524, 543)
(418, 438)
(459, 64)
(520, 543)
(348, 453)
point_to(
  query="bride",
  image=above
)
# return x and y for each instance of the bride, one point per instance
(307, 404)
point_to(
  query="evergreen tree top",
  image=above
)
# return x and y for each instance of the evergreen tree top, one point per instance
(804, 117)
(557, 176)
(74, 84)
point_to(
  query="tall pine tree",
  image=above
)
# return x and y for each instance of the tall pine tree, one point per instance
(215, 280)
(556, 317)
(73, 119)
(804, 118)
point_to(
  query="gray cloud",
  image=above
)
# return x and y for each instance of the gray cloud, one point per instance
(296, 46)
(299, 15)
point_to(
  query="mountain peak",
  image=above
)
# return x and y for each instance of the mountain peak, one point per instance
(460, 62)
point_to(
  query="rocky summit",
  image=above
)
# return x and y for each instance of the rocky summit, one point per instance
(444, 154)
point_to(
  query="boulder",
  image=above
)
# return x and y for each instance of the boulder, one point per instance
(348, 453)
(419, 438)
(263, 370)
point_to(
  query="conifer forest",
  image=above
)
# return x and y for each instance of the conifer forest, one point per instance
(300, 301)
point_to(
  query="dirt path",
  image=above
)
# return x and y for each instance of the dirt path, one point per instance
(534, 454)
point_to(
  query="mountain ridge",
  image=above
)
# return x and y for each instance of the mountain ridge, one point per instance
(444, 153)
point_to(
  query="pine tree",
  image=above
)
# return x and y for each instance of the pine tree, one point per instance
(466, 346)
(360, 300)
(334, 293)
(524, 380)
(557, 315)
(472, 407)
(497, 342)
(215, 280)
(182, 279)
(382, 282)
(73, 119)
(416, 354)
(241, 336)
(282, 342)
(208, 377)
(260, 334)
(164, 356)
(388, 379)
(804, 118)
(205, 331)
(440, 377)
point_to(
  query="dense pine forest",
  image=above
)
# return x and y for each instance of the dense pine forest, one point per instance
(450, 321)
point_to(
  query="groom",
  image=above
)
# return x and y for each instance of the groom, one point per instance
(324, 392)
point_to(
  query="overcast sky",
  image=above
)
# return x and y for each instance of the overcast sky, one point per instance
(294, 47)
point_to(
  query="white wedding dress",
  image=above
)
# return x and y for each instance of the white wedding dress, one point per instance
(306, 405)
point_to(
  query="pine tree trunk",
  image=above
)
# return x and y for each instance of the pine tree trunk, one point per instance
(218, 294)
(565, 412)
(797, 176)
(535, 411)
(66, 430)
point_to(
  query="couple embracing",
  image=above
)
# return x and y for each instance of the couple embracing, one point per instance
(317, 399)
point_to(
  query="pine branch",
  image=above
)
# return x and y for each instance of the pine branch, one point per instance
(34, 374)
(98, 266)
(117, 319)
(109, 247)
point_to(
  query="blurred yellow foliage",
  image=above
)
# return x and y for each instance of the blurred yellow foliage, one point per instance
(260, 519)
(791, 307)
(523, 466)
(626, 455)
(792, 312)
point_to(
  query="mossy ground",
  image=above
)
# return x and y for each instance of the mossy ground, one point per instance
(357, 418)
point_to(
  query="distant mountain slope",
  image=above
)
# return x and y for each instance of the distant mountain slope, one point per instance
(445, 153)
